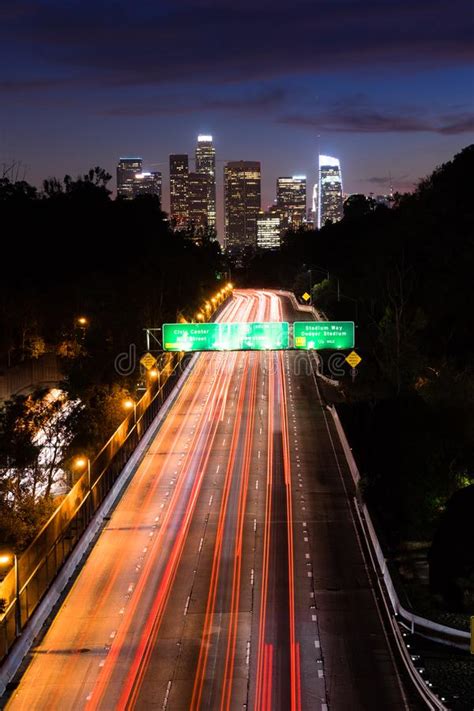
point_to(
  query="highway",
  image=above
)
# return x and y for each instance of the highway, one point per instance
(231, 574)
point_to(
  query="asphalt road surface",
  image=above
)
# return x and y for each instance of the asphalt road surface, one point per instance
(230, 574)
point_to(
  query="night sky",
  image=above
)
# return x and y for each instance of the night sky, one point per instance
(385, 86)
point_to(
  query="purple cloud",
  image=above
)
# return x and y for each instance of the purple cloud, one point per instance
(196, 41)
(164, 105)
(366, 120)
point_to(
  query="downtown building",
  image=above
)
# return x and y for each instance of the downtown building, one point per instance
(179, 188)
(147, 184)
(206, 166)
(198, 202)
(132, 181)
(193, 194)
(127, 169)
(329, 191)
(242, 201)
(269, 229)
(291, 201)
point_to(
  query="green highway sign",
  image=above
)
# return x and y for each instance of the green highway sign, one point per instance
(190, 336)
(317, 335)
(225, 336)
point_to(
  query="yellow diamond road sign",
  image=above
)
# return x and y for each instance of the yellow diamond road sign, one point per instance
(148, 361)
(353, 359)
(306, 296)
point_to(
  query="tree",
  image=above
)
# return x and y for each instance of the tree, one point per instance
(451, 556)
(357, 206)
(34, 432)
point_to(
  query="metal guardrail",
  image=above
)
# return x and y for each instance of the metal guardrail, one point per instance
(415, 623)
(431, 700)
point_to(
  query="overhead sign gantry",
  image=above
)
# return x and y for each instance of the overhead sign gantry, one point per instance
(259, 336)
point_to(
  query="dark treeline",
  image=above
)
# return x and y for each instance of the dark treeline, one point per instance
(406, 276)
(69, 250)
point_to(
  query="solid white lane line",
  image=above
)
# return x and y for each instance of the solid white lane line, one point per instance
(167, 694)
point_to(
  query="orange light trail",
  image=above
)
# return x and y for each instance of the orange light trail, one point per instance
(217, 395)
(209, 616)
(259, 703)
(294, 656)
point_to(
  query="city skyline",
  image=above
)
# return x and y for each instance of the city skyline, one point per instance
(387, 87)
(190, 197)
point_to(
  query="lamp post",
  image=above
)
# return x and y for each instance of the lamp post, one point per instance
(128, 405)
(81, 463)
(5, 559)
(328, 276)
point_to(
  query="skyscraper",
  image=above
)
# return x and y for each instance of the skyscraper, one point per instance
(330, 201)
(268, 230)
(206, 164)
(126, 170)
(198, 201)
(291, 200)
(147, 184)
(242, 195)
(179, 177)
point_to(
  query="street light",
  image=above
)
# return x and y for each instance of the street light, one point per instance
(314, 267)
(128, 405)
(5, 559)
(153, 374)
(81, 463)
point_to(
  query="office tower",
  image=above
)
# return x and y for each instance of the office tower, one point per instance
(179, 177)
(330, 202)
(242, 204)
(269, 230)
(147, 184)
(206, 164)
(126, 170)
(198, 201)
(291, 200)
